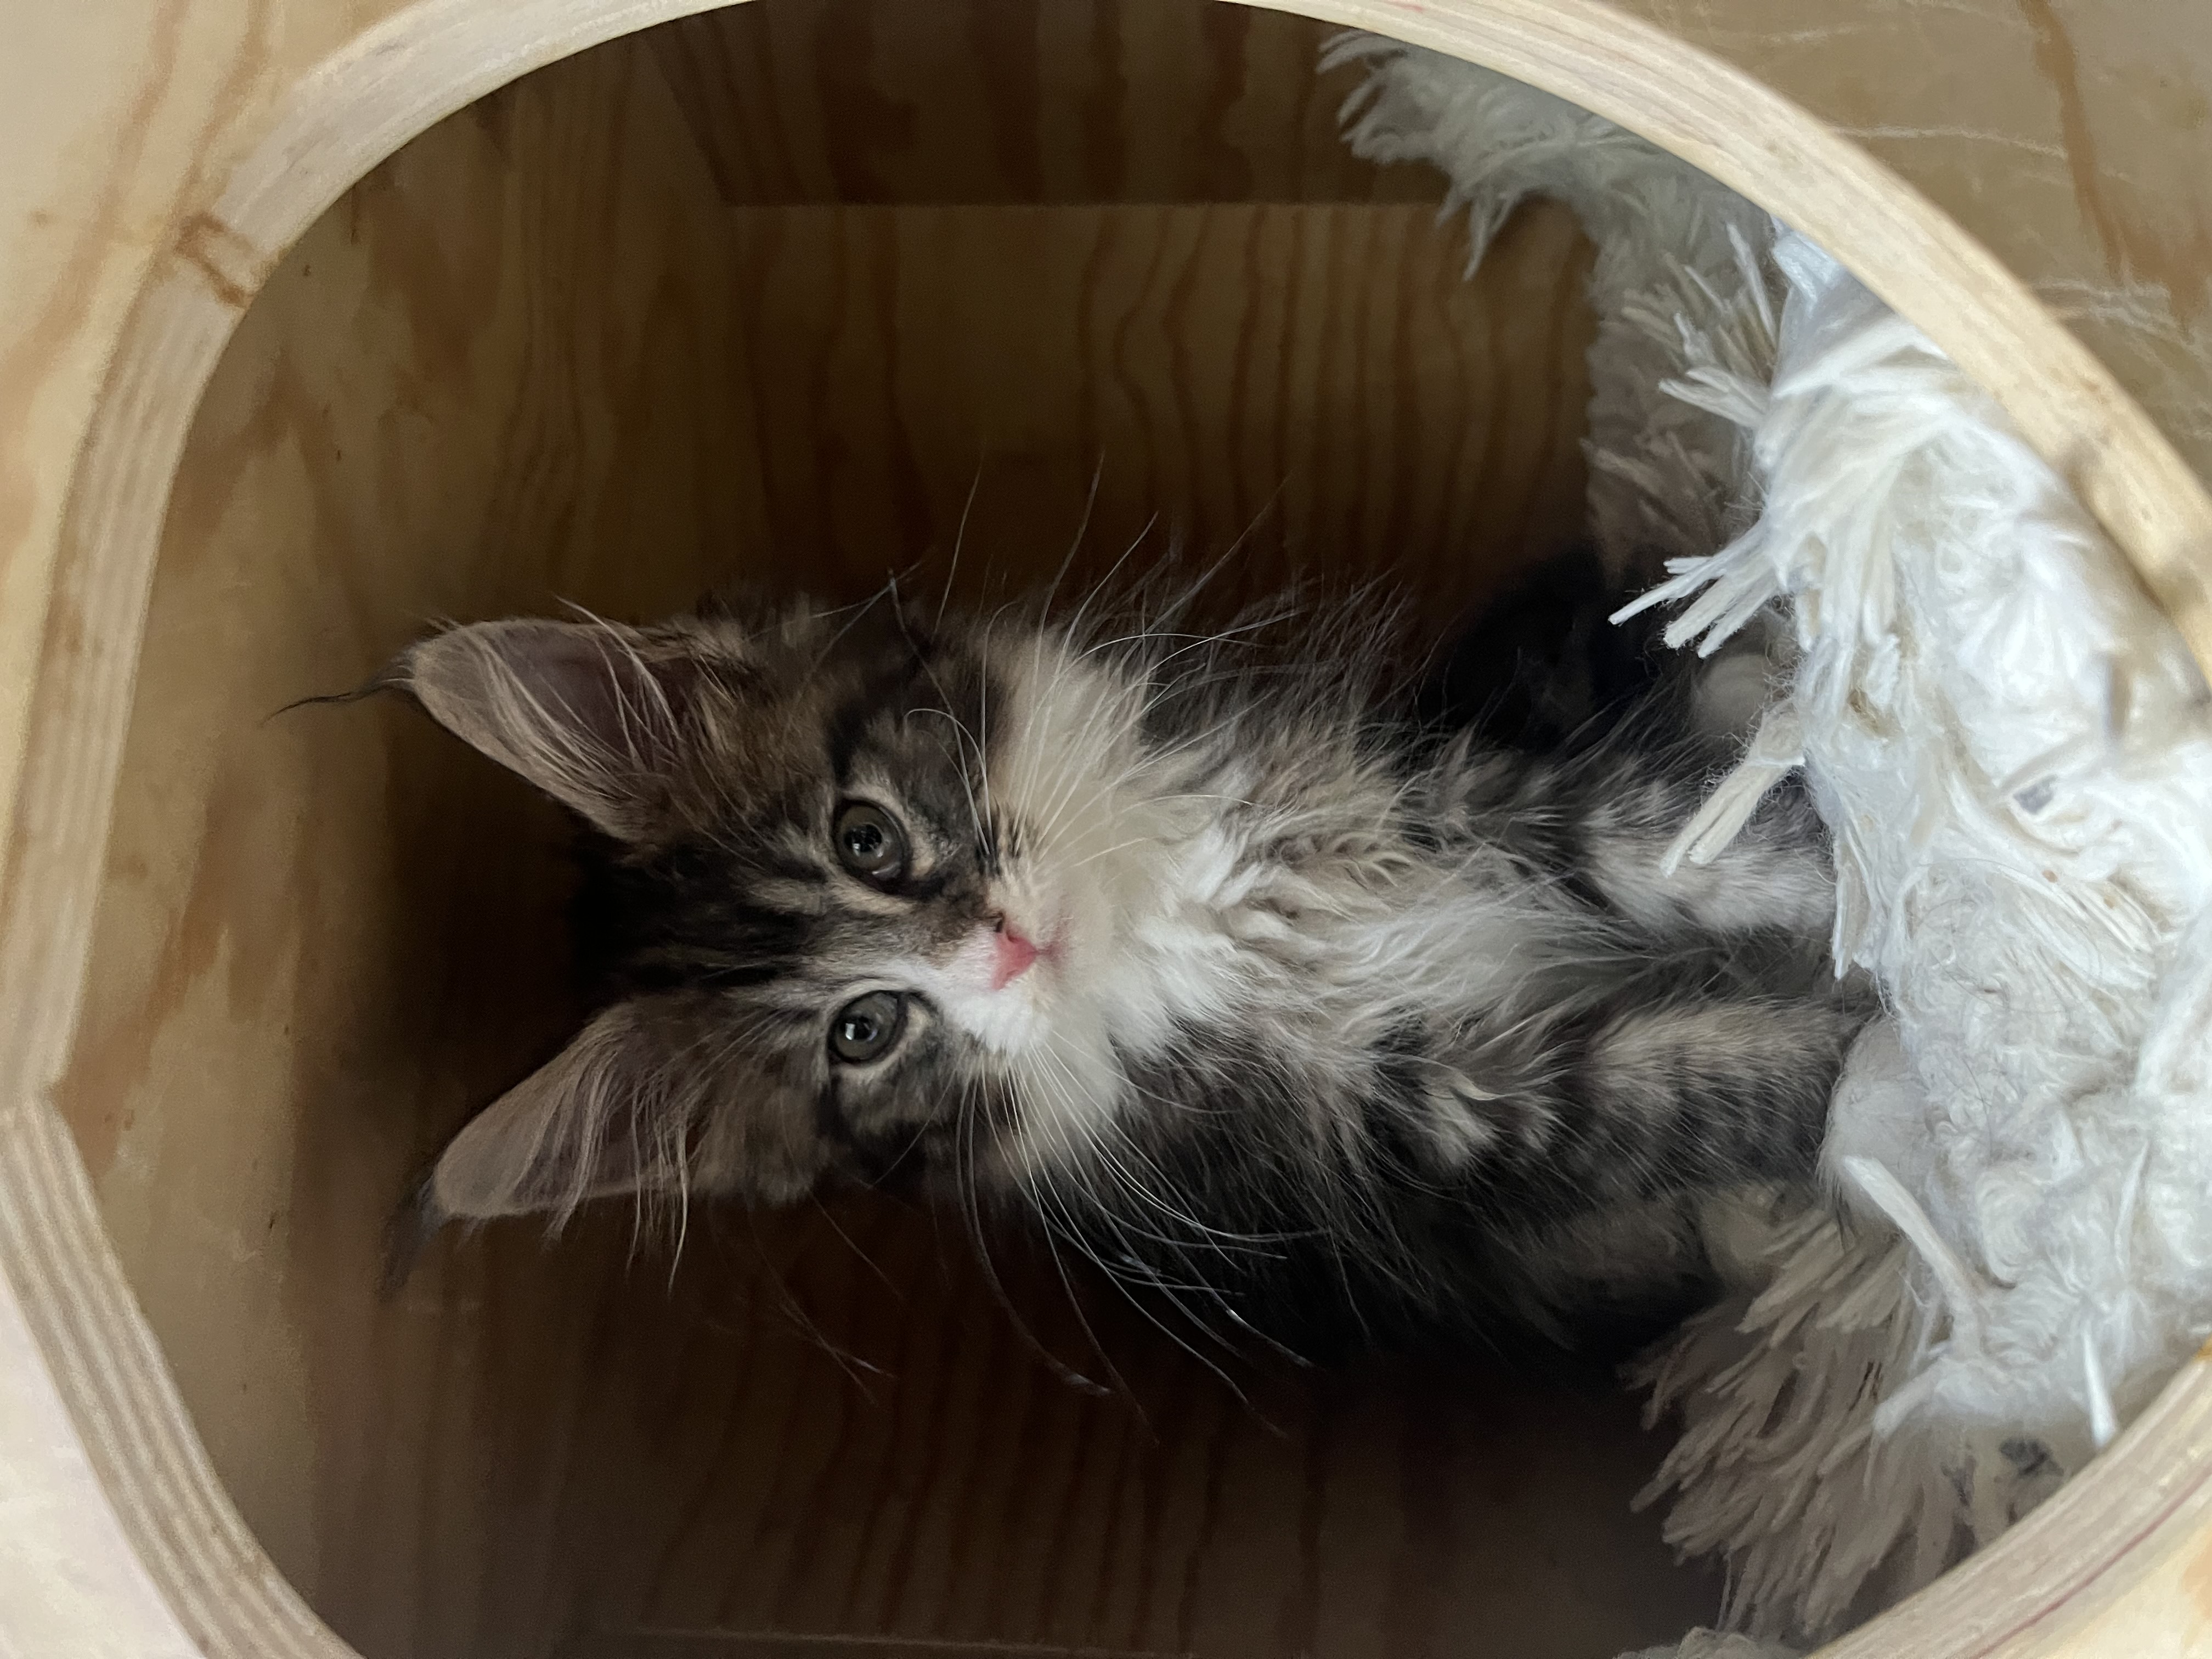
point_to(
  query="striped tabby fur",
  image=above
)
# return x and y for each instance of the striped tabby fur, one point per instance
(1317, 1010)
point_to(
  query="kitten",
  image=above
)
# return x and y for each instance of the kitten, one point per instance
(1321, 1013)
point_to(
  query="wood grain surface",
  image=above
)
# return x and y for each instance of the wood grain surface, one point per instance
(1019, 100)
(417, 419)
(539, 357)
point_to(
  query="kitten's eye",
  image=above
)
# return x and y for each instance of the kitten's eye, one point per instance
(867, 1026)
(870, 843)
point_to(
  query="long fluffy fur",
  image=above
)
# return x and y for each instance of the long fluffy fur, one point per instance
(1339, 1021)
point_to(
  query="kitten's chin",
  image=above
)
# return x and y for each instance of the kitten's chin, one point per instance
(1008, 1023)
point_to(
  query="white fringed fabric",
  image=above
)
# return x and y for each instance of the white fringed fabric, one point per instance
(2013, 751)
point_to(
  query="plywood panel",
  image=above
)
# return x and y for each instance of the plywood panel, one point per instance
(940, 1478)
(540, 356)
(1317, 387)
(1020, 101)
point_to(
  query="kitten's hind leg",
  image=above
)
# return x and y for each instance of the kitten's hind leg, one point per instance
(1544, 666)
(1543, 662)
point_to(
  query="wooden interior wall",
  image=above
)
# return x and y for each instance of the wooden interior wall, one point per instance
(580, 342)
(1018, 101)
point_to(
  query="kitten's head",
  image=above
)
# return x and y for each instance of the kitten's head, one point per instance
(858, 895)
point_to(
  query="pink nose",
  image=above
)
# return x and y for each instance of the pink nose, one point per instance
(1015, 954)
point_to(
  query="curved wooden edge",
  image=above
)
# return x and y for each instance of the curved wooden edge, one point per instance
(2117, 1565)
(140, 1458)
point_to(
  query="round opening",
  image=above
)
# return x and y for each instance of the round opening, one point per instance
(813, 296)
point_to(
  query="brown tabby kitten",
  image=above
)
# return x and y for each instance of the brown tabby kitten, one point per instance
(1316, 1010)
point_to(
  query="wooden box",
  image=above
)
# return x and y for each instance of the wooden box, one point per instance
(331, 319)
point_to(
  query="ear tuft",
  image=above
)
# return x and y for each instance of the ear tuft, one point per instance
(593, 714)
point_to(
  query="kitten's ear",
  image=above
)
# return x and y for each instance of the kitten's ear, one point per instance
(625, 1109)
(598, 1121)
(592, 713)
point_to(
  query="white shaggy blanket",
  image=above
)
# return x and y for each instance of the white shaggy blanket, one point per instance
(2013, 751)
